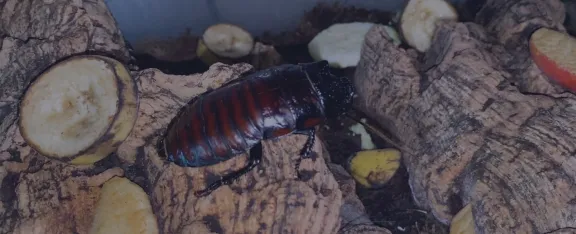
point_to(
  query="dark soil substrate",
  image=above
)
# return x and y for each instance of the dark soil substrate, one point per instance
(570, 21)
(391, 206)
(322, 16)
(184, 67)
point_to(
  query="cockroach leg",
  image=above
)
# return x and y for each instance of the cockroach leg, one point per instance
(255, 156)
(307, 149)
(305, 153)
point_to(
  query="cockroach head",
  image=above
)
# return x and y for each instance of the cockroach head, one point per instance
(336, 92)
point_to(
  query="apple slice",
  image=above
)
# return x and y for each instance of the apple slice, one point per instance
(80, 110)
(555, 55)
(463, 221)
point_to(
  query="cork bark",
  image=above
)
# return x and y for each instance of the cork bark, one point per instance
(40, 195)
(36, 34)
(511, 23)
(354, 218)
(269, 199)
(479, 124)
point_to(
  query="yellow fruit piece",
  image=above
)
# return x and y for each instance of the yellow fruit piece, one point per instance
(228, 41)
(463, 222)
(374, 168)
(205, 54)
(80, 110)
(123, 208)
(418, 21)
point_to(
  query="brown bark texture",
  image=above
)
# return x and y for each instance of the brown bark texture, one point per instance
(35, 34)
(269, 199)
(511, 23)
(38, 195)
(354, 218)
(264, 56)
(480, 124)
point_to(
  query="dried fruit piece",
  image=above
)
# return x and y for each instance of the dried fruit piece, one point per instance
(80, 110)
(374, 168)
(418, 22)
(366, 142)
(463, 222)
(207, 56)
(123, 207)
(555, 55)
(341, 44)
(393, 34)
(228, 41)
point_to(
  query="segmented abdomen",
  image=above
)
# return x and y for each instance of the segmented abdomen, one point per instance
(230, 120)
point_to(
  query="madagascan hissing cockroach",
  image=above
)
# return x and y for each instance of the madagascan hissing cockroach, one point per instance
(235, 118)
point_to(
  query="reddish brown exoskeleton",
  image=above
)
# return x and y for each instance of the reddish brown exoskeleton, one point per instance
(233, 119)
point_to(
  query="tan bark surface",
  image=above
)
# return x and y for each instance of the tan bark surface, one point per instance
(36, 34)
(268, 199)
(264, 56)
(38, 195)
(352, 212)
(512, 23)
(471, 132)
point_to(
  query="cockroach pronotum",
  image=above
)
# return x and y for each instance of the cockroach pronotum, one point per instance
(233, 119)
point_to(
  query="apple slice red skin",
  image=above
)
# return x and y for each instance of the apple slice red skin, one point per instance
(552, 69)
